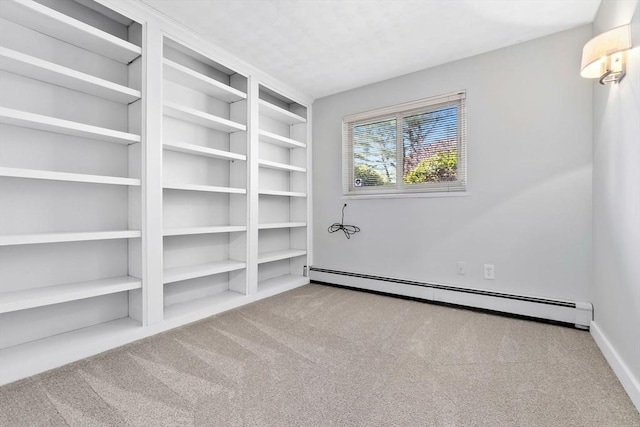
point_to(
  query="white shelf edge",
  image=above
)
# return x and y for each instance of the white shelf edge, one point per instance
(178, 274)
(185, 76)
(282, 193)
(13, 117)
(280, 166)
(68, 177)
(186, 231)
(201, 307)
(62, 27)
(22, 360)
(204, 188)
(280, 255)
(40, 238)
(183, 147)
(39, 297)
(281, 283)
(201, 118)
(280, 114)
(268, 226)
(36, 68)
(273, 138)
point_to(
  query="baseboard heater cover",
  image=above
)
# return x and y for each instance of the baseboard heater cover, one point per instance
(579, 314)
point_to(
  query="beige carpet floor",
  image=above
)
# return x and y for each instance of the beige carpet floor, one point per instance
(322, 356)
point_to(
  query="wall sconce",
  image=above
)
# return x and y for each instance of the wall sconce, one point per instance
(604, 56)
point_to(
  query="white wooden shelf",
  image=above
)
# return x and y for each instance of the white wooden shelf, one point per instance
(64, 176)
(38, 297)
(17, 362)
(197, 117)
(178, 274)
(185, 76)
(62, 27)
(281, 193)
(207, 305)
(276, 139)
(35, 68)
(205, 188)
(280, 114)
(198, 150)
(185, 231)
(13, 117)
(281, 283)
(273, 225)
(38, 238)
(268, 164)
(280, 255)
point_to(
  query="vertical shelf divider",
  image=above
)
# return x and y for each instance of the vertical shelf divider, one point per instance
(152, 168)
(252, 196)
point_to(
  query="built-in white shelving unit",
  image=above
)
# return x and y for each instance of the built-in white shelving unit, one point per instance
(147, 180)
(282, 191)
(70, 177)
(205, 181)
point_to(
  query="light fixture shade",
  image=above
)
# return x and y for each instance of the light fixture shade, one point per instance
(596, 51)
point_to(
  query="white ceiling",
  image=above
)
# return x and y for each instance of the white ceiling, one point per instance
(321, 47)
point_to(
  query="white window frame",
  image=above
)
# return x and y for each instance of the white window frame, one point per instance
(431, 189)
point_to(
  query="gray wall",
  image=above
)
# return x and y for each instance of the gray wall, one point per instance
(529, 156)
(615, 293)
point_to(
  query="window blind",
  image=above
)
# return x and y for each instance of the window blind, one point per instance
(418, 146)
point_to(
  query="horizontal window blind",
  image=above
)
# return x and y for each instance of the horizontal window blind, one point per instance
(418, 146)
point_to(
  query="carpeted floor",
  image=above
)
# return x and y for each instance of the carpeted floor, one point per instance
(322, 356)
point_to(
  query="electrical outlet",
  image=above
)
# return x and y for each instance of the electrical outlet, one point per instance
(462, 268)
(489, 271)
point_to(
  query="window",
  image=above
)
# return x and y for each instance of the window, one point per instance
(416, 147)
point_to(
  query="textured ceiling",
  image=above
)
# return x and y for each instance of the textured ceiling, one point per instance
(321, 47)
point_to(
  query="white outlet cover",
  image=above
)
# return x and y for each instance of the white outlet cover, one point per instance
(489, 271)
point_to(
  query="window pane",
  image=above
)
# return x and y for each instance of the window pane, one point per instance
(430, 146)
(374, 154)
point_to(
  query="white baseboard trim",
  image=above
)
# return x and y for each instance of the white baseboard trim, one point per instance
(571, 312)
(622, 371)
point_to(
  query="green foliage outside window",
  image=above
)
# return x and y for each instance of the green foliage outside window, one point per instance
(440, 167)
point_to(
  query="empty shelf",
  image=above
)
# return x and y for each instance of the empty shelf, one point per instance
(38, 297)
(37, 238)
(206, 305)
(62, 27)
(185, 231)
(64, 176)
(280, 114)
(282, 193)
(205, 188)
(35, 68)
(59, 349)
(281, 225)
(198, 150)
(13, 117)
(197, 117)
(185, 76)
(280, 166)
(276, 139)
(177, 274)
(280, 255)
(281, 283)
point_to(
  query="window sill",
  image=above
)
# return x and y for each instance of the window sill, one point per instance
(405, 195)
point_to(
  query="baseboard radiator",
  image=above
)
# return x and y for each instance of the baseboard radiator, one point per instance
(578, 314)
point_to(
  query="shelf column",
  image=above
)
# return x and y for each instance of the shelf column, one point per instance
(252, 185)
(152, 184)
